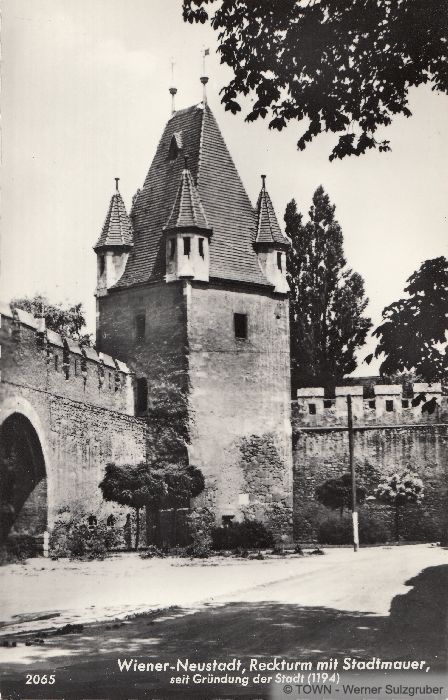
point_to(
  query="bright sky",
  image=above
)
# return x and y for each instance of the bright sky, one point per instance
(85, 99)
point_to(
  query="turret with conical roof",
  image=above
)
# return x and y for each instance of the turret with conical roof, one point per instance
(270, 243)
(187, 234)
(113, 246)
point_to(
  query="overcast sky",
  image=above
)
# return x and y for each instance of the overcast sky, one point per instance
(85, 98)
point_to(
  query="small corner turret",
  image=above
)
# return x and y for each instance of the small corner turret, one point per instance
(113, 246)
(271, 245)
(187, 234)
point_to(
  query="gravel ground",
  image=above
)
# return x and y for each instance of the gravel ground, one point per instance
(44, 594)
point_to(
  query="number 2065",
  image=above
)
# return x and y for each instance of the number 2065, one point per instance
(37, 679)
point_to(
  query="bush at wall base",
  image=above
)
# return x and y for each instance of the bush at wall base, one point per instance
(78, 540)
(336, 530)
(249, 534)
(17, 548)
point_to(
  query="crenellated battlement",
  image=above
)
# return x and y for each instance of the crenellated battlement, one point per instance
(390, 404)
(36, 357)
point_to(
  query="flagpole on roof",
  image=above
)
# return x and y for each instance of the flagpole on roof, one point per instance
(173, 90)
(204, 77)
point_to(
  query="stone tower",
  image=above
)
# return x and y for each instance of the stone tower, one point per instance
(203, 297)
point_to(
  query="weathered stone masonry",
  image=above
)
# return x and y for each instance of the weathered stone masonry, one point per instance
(390, 435)
(240, 389)
(79, 406)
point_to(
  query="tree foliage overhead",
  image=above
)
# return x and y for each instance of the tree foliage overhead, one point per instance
(413, 335)
(141, 486)
(67, 320)
(327, 299)
(344, 66)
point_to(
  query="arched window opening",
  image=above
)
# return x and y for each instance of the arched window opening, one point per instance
(141, 402)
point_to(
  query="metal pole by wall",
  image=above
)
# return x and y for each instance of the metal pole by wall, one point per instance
(352, 472)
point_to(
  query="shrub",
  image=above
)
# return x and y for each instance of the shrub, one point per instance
(336, 530)
(373, 529)
(151, 552)
(198, 550)
(308, 519)
(17, 548)
(71, 537)
(22, 546)
(200, 523)
(425, 527)
(249, 534)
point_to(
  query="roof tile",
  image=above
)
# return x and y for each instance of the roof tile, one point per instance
(117, 229)
(268, 229)
(227, 208)
(187, 211)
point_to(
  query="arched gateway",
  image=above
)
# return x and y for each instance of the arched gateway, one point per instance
(23, 476)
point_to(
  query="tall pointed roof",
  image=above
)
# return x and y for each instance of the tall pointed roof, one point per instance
(187, 212)
(268, 229)
(226, 206)
(117, 229)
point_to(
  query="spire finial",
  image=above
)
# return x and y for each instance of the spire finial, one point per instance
(117, 180)
(173, 90)
(263, 180)
(204, 77)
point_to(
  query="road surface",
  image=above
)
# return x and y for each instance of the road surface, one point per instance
(383, 602)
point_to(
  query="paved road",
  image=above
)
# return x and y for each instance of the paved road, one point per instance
(338, 606)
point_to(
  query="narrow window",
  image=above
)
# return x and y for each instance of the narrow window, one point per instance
(328, 403)
(110, 380)
(172, 252)
(240, 325)
(66, 362)
(405, 403)
(312, 409)
(76, 368)
(102, 264)
(201, 247)
(140, 326)
(56, 362)
(372, 404)
(389, 405)
(173, 150)
(142, 396)
(110, 522)
(187, 246)
(92, 520)
(279, 261)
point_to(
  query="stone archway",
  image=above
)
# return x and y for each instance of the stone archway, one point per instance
(23, 479)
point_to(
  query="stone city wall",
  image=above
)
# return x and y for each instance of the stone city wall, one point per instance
(79, 404)
(390, 435)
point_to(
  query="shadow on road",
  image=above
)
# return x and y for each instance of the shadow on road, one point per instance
(86, 664)
(418, 620)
